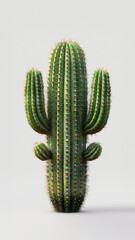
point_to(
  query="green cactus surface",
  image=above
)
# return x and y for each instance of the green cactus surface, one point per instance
(67, 121)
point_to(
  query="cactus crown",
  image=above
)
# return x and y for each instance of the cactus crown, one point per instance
(67, 122)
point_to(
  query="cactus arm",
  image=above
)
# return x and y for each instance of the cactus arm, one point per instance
(96, 102)
(36, 100)
(28, 108)
(99, 103)
(42, 152)
(93, 96)
(92, 152)
(34, 106)
(40, 101)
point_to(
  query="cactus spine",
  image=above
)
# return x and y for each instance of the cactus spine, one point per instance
(68, 121)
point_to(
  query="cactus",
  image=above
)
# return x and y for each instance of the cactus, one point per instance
(68, 121)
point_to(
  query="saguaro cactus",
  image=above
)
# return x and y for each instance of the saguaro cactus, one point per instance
(68, 121)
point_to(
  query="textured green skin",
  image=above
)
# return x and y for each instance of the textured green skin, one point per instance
(68, 122)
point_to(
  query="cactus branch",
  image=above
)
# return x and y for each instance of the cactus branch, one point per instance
(34, 102)
(99, 102)
(92, 152)
(42, 152)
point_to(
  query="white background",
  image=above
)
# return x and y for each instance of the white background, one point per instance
(106, 31)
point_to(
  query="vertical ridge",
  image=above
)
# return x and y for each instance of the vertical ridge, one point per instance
(79, 107)
(54, 80)
(54, 118)
(82, 74)
(67, 130)
(74, 129)
(59, 138)
(49, 110)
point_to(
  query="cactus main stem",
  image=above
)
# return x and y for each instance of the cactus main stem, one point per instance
(67, 107)
(68, 121)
